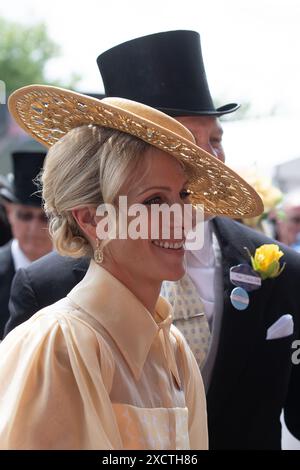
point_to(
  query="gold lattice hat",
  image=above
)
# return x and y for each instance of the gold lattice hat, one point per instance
(47, 113)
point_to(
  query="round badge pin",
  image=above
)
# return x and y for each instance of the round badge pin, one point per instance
(239, 298)
(244, 276)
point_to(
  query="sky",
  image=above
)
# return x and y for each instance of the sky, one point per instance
(250, 48)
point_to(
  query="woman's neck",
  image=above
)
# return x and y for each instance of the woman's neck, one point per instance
(147, 292)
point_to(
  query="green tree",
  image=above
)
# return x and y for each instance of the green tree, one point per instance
(24, 53)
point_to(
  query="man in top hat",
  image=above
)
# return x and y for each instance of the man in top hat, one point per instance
(245, 355)
(28, 224)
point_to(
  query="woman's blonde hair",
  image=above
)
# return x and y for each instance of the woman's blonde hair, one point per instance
(87, 167)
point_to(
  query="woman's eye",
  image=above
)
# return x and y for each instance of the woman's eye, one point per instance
(159, 200)
(186, 193)
(154, 200)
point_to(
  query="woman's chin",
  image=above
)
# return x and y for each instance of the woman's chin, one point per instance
(175, 275)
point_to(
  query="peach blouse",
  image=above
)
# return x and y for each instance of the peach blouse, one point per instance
(96, 371)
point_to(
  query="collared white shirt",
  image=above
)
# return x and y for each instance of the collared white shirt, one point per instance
(204, 268)
(96, 371)
(20, 260)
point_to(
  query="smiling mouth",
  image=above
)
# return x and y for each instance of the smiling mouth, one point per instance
(168, 245)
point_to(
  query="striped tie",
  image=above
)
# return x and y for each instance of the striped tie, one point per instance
(188, 315)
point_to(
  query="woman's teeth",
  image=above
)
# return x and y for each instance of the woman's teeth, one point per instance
(173, 246)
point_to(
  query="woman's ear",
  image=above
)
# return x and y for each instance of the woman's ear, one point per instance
(85, 218)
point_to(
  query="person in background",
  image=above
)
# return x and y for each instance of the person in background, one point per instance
(271, 197)
(287, 220)
(5, 231)
(28, 224)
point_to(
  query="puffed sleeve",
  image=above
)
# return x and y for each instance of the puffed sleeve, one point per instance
(55, 373)
(194, 395)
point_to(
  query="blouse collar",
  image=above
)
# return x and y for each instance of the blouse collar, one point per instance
(125, 318)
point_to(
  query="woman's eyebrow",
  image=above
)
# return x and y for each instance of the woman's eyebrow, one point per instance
(165, 188)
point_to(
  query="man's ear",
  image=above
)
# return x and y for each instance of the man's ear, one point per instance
(85, 218)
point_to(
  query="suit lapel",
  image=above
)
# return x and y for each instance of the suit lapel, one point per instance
(239, 329)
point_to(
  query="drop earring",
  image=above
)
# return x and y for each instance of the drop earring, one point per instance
(98, 253)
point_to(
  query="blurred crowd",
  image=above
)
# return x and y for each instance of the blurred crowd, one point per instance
(280, 220)
(24, 235)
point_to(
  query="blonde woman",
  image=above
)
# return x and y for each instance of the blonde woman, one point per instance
(104, 368)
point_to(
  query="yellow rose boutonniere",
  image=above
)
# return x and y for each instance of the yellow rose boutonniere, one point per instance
(265, 265)
(266, 261)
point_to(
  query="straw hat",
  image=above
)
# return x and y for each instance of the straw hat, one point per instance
(47, 113)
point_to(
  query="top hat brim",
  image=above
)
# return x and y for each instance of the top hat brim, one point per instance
(8, 196)
(47, 113)
(226, 109)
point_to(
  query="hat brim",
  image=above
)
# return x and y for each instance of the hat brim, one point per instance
(47, 113)
(7, 195)
(10, 198)
(226, 109)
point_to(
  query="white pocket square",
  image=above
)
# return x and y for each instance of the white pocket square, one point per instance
(283, 327)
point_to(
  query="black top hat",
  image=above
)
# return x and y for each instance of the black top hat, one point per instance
(21, 190)
(163, 70)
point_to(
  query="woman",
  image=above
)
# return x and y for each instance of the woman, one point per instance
(103, 368)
